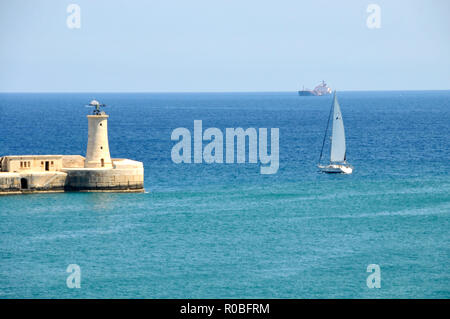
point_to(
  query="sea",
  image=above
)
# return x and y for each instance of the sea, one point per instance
(226, 230)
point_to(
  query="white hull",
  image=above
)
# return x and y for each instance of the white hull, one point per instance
(337, 169)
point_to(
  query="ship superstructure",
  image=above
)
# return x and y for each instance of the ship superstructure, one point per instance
(319, 90)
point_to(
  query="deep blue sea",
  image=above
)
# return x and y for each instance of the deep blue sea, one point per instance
(225, 230)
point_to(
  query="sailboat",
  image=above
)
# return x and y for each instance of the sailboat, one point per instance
(338, 161)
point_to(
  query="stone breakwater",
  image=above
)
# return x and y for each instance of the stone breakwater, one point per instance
(58, 173)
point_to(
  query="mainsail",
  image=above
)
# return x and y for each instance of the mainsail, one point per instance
(338, 134)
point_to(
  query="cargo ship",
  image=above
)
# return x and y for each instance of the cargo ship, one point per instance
(321, 89)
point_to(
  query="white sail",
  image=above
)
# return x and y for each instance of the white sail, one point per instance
(338, 134)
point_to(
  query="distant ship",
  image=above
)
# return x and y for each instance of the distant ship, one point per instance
(321, 89)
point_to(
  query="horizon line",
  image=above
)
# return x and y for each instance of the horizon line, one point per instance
(203, 92)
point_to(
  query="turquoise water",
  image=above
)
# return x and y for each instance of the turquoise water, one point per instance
(226, 231)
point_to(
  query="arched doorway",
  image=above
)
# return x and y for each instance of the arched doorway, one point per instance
(103, 162)
(23, 183)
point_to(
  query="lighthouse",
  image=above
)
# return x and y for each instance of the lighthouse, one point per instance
(97, 154)
(97, 172)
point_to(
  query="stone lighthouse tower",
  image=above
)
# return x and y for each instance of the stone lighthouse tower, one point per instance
(97, 154)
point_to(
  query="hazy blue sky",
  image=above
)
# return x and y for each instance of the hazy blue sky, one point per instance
(223, 45)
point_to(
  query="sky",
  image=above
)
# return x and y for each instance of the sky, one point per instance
(223, 45)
